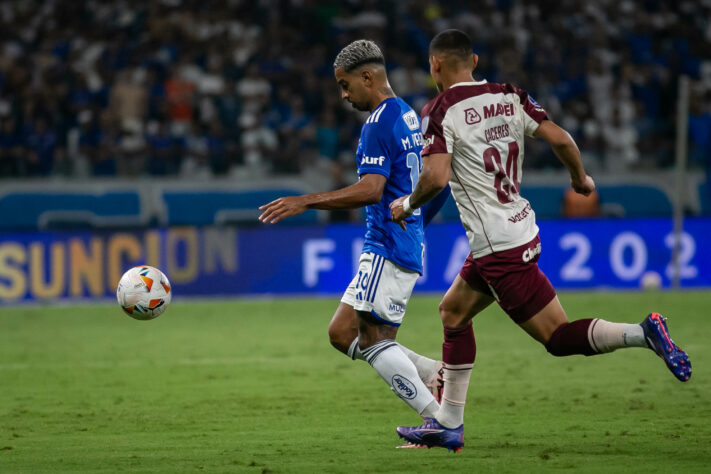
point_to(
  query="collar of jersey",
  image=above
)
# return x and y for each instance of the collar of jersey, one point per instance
(472, 83)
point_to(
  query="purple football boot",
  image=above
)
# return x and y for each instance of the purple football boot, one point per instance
(432, 434)
(657, 335)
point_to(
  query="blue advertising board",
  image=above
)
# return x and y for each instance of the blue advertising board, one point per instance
(321, 259)
(575, 254)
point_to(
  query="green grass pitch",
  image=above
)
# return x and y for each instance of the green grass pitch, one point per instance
(253, 386)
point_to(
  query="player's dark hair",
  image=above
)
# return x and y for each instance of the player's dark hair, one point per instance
(357, 54)
(452, 42)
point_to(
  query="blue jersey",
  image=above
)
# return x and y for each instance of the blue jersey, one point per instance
(390, 145)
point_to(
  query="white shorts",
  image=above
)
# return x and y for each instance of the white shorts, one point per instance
(381, 288)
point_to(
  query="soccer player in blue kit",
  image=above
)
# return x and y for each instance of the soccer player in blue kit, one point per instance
(388, 159)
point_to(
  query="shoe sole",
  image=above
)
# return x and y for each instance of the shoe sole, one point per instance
(410, 445)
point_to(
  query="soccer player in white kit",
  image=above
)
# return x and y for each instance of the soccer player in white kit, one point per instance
(474, 139)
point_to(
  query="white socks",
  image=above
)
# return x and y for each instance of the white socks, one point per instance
(605, 336)
(425, 366)
(400, 373)
(456, 382)
(354, 351)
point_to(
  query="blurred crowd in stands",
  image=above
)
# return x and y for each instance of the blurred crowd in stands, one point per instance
(245, 88)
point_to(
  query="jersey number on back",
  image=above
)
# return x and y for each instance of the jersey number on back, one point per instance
(414, 164)
(506, 179)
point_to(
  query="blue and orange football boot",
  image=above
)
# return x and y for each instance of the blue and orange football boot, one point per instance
(657, 335)
(432, 434)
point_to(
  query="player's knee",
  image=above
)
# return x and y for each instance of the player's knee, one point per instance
(337, 338)
(451, 317)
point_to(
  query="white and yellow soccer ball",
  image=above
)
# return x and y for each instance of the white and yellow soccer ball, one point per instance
(144, 292)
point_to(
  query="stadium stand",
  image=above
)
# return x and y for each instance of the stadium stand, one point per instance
(244, 90)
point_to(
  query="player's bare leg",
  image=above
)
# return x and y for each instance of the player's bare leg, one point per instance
(588, 337)
(371, 332)
(461, 303)
(343, 334)
(376, 342)
(542, 325)
(343, 328)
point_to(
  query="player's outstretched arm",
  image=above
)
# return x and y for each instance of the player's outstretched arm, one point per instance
(368, 190)
(568, 153)
(433, 179)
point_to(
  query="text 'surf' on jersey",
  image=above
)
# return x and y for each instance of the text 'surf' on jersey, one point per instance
(390, 145)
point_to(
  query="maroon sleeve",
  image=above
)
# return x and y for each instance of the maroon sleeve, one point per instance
(432, 132)
(531, 107)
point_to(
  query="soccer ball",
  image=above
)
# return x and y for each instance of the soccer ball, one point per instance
(144, 292)
(650, 281)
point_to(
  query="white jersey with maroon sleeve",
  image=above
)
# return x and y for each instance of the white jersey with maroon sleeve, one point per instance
(483, 126)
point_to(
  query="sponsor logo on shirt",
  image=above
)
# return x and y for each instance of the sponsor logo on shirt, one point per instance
(494, 110)
(471, 116)
(372, 160)
(518, 217)
(530, 254)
